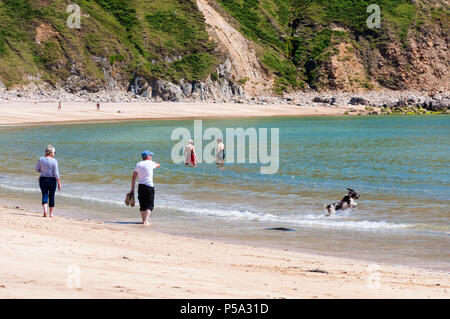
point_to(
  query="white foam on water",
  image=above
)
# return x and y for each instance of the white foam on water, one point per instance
(235, 214)
(309, 220)
(66, 195)
(339, 221)
(93, 199)
(355, 225)
(21, 189)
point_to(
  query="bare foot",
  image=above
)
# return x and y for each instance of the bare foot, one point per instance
(45, 215)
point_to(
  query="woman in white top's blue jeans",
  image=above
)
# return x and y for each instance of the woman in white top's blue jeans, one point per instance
(49, 179)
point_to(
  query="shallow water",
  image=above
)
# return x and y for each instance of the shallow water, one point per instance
(399, 165)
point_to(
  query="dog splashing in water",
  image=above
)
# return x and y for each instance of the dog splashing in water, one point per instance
(349, 201)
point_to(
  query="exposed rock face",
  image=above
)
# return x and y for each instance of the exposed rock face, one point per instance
(140, 86)
(166, 91)
(346, 71)
(222, 88)
(79, 81)
(423, 64)
(409, 52)
(358, 101)
(375, 102)
(388, 100)
(324, 100)
(438, 104)
(421, 61)
(186, 87)
(240, 51)
(44, 32)
(76, 83)
(113, 79)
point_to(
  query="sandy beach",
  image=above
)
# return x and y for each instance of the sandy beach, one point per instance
(68, 258)
(224, 150)
(13, 112)
(41, 258)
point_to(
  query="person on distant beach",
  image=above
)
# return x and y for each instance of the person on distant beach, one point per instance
(49, 179)
(146, 189)
(220, 153)
(189, 154)
(59, 106)
(98, 106)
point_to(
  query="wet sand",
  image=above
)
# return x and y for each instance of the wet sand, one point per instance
(66, 258)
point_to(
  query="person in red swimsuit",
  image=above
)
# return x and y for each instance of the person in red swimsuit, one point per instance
(189, 154)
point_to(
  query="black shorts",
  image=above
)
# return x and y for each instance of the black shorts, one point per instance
(146, 197)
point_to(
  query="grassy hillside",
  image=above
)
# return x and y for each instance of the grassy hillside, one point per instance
(152, 38)
(299, 35)
(168, 39)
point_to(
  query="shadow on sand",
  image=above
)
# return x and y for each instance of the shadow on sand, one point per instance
(125, 223)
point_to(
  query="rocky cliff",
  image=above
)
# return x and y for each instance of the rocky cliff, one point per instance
(222, 49)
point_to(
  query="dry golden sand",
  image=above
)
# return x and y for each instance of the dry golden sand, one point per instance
(123, 261)
(34, 113)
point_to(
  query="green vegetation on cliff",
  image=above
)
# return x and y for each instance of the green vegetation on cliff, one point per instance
(155, 39)
(168, 39)
(299, 35)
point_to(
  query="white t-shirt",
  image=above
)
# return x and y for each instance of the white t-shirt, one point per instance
(144, 169)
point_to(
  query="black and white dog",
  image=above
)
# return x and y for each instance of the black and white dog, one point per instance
(347, 202)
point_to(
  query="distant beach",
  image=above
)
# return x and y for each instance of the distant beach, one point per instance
(17, 112)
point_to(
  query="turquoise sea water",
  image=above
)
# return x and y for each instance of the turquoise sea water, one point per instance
(398, 164)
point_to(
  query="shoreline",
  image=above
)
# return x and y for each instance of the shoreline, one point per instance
(67, 213)
(94, 121)
(18, 104)
(302, 251)
(44, 113)
(175, 266)
(162, 119)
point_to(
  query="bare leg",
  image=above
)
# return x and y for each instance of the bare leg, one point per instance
(149, 212)
(44, 206)
(145, 215)
(51, 212)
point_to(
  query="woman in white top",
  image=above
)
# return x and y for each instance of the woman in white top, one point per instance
(189, 154)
